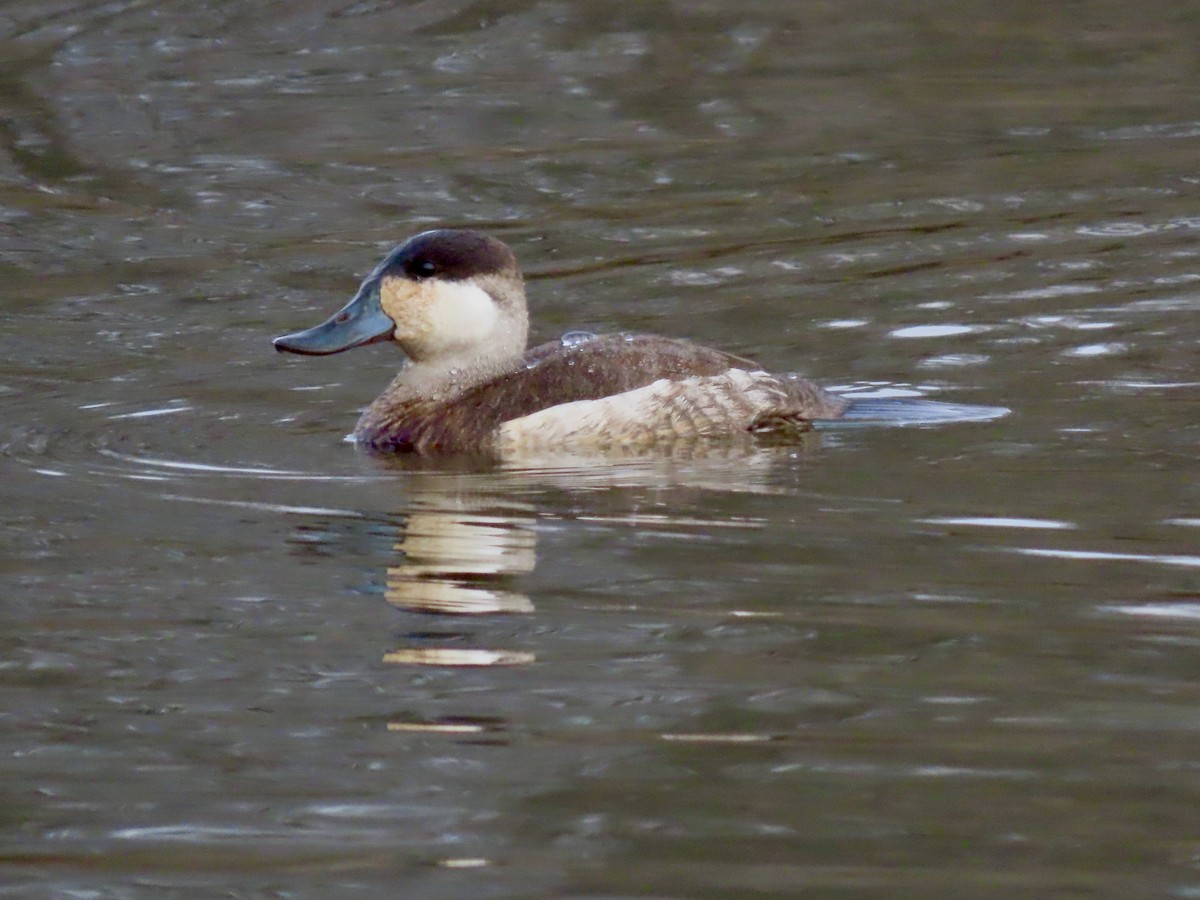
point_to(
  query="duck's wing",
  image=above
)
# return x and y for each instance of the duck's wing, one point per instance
(616, 383)
(558, 372)
(665, 413)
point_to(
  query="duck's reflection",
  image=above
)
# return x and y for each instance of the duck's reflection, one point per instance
(457, 656)
(456, 560)
(468, 537)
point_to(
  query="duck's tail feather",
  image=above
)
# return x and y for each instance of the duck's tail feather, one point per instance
(911, 411)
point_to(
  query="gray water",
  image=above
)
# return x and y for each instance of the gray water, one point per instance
(241, 658)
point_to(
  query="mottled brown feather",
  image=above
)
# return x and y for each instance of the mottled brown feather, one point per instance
(557, 373)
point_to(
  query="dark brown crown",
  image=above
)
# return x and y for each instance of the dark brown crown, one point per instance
(450, 254)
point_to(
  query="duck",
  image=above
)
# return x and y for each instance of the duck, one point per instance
(454, 302)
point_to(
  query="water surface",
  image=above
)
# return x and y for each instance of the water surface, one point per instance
(242, 658)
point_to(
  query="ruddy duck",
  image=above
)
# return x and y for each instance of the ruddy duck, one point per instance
(454, 302)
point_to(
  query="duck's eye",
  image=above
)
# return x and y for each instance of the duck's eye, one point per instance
(423, 268)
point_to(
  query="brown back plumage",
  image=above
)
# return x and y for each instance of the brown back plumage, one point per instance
(557, 373)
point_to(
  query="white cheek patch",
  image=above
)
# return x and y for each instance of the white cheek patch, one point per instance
(460, 314)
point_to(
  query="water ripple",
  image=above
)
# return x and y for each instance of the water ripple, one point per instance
(1166, 559)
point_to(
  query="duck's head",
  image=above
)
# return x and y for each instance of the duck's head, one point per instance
(442, 295)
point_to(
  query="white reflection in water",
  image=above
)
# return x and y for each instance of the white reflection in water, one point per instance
(941, 771)
(997, 522)
(953, 360)
(1186, 611)
(716, 738)
(651, 519)
(1088, 350)
(1074, 323)
(1048, 292)
(1145, 385)
(875, 389)
(270, 507)
(190, 833)
(935, 331)
(1118, 229)
(1162, 559)
(445, 656)
(150, 413)
(199, 468)
(437, 727)
(1155, 130)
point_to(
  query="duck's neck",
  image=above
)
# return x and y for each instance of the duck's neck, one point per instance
(421, 387)
(444, 379)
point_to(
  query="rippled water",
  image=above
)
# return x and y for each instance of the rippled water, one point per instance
(241, 658)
